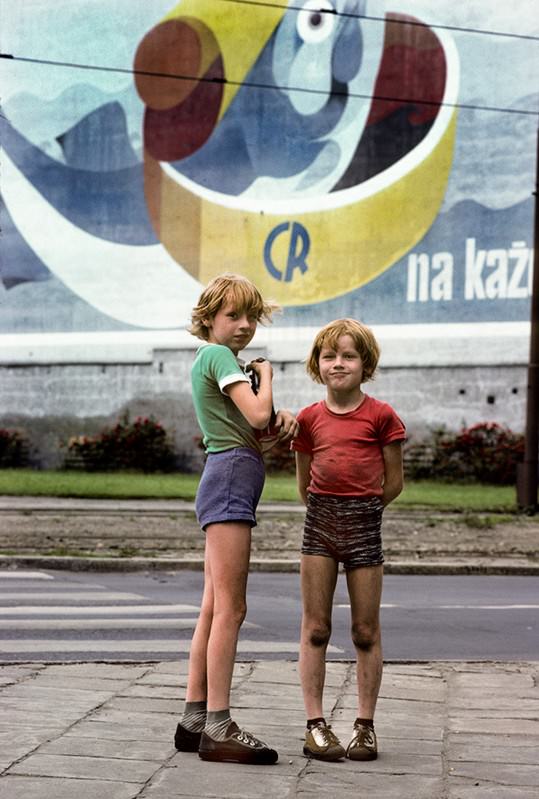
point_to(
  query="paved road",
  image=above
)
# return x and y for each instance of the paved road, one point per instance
(62, 616)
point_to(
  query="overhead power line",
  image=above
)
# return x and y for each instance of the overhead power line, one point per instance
(268, 86)
(408, 21)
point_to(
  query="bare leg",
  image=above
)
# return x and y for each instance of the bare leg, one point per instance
(197, 686)
(318, 580)
(365, 591)
(228, 548)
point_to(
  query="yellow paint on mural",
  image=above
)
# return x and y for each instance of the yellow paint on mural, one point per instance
(350, 245)
(239, 32)
(298, 250)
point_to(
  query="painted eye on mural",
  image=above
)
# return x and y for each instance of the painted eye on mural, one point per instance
(316, 21)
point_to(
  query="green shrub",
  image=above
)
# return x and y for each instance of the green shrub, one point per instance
(13, 449)
(486, 452)
(280, 459)
(141, 445)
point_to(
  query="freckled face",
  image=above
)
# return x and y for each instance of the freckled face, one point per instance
(232, 328)
(341, 368)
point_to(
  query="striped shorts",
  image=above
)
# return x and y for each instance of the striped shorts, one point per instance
(347, 529)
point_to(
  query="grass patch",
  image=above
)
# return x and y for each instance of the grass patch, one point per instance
(465, 497)
(65, 552)
(484, 522)
(428, 494)
(97, 485)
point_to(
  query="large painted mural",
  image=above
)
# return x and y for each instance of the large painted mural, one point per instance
(352, 157)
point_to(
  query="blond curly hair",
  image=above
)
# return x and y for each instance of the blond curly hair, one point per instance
(364, 342)
(222, 289)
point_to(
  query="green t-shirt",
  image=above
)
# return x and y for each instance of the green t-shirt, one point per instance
(223, 425)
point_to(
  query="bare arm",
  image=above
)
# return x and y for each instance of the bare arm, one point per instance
(255, 407)
(303, 474)
(393, 472)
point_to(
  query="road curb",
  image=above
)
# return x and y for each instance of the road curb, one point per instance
(105, 564)
(68, 505)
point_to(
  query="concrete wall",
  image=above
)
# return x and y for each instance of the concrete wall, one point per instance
(457, 380)
(56, 401)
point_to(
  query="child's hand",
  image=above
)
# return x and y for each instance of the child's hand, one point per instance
(260, 366)
(287, 425)
(256, 369)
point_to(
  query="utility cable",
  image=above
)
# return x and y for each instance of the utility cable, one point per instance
(408, 21)
(268, 86)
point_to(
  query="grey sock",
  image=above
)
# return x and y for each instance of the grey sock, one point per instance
(217, 724)
(194, 716)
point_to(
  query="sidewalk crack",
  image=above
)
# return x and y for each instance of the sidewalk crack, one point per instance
(339, 701)
(66, 730)
(448, 674)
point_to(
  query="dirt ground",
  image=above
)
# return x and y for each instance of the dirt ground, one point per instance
(407, 536)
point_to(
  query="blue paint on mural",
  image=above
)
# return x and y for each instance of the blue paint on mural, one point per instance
(393, 299)
(18, 264)
(92, 183)
(105, 201)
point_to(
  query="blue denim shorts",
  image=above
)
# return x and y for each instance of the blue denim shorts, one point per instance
(230, 487)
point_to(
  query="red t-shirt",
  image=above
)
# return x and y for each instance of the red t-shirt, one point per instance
(346, 449)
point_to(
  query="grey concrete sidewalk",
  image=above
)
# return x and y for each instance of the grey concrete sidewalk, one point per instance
(46, 532)
(101, 731)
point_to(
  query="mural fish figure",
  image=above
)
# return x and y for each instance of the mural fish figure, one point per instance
(297, 112)
(301, 144)
(305, 161)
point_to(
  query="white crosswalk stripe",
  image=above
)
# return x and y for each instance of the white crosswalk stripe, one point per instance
(66, 646)
(52, 617)
(97, 610)
(95, 624)
(24, 575)
(106, 596)
(457, 607)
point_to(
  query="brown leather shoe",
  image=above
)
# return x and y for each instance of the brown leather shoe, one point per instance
(185, 740)
(363, 745)
(322, 743)
(239, 746)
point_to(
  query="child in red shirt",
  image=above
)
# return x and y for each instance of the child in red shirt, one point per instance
(349, 467)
